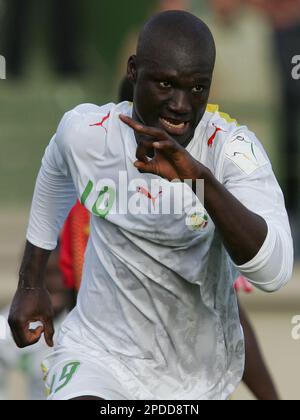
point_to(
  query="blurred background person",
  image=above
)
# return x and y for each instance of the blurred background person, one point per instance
(73, 242)
(63, 36)
(257, 376)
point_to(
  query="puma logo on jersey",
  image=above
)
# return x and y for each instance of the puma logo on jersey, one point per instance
(143, 191)
(213, 137)
(100, 124)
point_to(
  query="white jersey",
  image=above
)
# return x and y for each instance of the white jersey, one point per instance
(157, 303)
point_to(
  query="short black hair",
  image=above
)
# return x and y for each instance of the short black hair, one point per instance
(179, 28)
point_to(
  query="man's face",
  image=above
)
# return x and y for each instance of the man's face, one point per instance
(171, 96)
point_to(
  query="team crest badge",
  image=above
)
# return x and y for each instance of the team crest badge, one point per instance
(196, 219)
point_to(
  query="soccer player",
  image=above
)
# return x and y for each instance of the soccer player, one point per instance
(157, 315)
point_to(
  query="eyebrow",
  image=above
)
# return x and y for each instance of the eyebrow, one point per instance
(169, 75)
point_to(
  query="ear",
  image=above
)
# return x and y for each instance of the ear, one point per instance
(132, 69)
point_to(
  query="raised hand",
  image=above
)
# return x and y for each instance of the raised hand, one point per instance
(170, 160)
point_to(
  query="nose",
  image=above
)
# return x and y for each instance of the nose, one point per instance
(179, 103)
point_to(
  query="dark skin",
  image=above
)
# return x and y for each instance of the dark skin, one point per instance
(172, 74)
(32, 302)
(170, 97)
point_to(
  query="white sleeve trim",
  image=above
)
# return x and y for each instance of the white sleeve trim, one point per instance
(272, 267)
(48, 246)
(258, 261)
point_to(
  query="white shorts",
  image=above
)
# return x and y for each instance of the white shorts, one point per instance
(71, 374)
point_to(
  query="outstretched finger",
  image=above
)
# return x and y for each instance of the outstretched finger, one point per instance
(168, 146)
(156, 133)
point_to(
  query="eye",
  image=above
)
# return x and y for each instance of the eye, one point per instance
(165, 85)
(198, 89)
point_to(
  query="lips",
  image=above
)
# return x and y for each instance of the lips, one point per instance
(174, 127)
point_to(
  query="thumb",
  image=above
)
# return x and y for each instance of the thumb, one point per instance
(49, 332)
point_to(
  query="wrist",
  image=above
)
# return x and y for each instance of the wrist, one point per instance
(29, 282)
(33, 266)
(201, 172)
(199, 176)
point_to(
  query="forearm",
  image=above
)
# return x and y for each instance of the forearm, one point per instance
(33, 267)
(231, 217)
